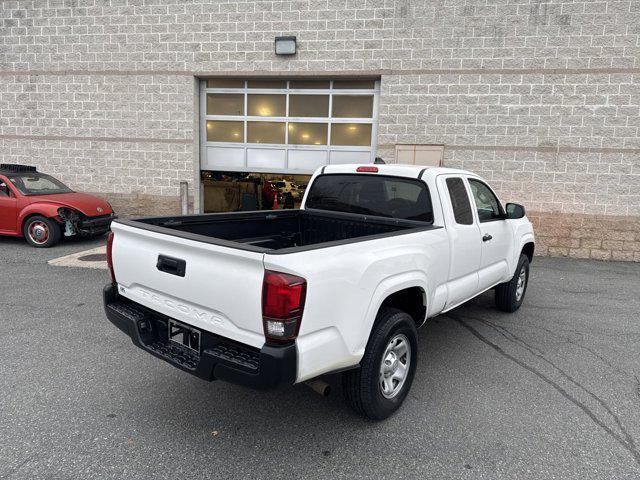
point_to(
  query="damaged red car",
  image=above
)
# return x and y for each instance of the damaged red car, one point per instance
(43, 210)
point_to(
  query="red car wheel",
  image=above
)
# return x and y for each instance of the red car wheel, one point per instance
(41, 232)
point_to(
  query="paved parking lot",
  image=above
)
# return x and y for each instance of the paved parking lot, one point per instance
(552, 391)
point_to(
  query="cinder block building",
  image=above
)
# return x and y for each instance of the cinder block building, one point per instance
(127, 98)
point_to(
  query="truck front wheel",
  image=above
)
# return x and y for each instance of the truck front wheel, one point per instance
(378, 388)
(509, 295)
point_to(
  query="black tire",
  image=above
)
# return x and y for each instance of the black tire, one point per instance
(362, 386)
(33, 227)
(507, 298)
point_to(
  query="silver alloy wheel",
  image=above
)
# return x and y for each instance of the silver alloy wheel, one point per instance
(522, 282)
(394, 367)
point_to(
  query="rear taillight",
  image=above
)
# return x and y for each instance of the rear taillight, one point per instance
(283, 298)
(110, 257)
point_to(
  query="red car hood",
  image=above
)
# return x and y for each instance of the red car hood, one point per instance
(88, 204)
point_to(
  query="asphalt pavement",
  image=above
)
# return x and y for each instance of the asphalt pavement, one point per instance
(550, 392)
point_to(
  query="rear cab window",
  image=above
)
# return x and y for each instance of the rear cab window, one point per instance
(378, 195)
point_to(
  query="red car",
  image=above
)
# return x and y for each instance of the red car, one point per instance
(42, 209)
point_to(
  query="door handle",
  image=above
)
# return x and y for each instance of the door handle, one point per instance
(486, 237)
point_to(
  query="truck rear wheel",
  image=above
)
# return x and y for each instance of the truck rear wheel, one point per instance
(378, 388)
(509, 295)
(41, 232)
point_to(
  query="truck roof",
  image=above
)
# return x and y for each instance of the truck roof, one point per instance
(395, 169)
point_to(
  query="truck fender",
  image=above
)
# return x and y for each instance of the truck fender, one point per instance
(526, 238)
(384, 289)
(48, 210)
(523, 240)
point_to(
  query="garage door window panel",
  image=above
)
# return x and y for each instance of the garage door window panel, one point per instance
(351, 134)
(266, 132)
(309, 84)
(308, 133)
(225, 104)
(308, 106)
(267, 105)
(352, 106)
(225, 83)
(278, 84)
(222, 131)
(354, 84)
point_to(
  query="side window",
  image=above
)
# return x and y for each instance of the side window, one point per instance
(460, 201)
(4, 190)
(486, 202)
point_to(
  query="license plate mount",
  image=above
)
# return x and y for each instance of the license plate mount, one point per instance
(185, 336)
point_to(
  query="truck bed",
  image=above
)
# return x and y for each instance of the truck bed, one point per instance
(284, 231)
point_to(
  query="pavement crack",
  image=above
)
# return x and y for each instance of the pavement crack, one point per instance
(600, 357)
(624, 439)
(538, 353)
(555, 334)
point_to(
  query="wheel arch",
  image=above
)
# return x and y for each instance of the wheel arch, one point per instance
(398, 291)
(41, 210)
(411, 300)
(528, 249)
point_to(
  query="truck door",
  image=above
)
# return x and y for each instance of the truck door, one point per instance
(497, 235)
(8, 206)
(464, 240)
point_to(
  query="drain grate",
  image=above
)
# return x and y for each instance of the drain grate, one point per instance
(94, 257)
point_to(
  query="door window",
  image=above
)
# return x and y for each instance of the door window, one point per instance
(487, 204)
(460, 201)
(4, 190)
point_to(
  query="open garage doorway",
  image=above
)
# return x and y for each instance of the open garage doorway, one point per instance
(239, 191)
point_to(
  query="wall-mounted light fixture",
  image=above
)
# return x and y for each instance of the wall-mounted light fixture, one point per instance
(285, 45)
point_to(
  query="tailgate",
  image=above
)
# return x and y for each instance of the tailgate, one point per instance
(220, 291)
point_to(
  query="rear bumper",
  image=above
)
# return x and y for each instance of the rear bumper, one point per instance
(95, 225)
(220, 358)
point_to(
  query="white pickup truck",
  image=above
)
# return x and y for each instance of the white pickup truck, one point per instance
(341, 285)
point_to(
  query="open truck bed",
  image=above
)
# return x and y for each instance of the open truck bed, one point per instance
(278, 231)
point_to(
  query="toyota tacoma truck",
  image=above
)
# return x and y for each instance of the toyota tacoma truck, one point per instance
(42, 209)
(340, 285)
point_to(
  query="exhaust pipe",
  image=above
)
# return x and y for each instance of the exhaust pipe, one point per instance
(320, 387)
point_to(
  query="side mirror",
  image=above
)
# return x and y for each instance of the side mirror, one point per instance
(514, 211)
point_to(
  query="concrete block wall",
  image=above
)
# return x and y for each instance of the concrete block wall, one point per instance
(540, 97)
(121, 136)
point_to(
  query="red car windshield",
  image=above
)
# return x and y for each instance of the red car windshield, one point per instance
(37, 184)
